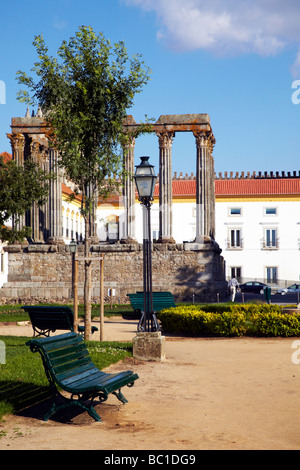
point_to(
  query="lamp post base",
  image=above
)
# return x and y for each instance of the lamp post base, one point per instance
(149, 346)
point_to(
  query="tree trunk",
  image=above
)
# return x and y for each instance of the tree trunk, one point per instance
(87, 283)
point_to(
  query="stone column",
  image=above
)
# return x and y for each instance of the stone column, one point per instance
(212, 215)
(17, 142)
(55, 200)
(205, 203)
(128, 229)
(37, 217)
(165, 187)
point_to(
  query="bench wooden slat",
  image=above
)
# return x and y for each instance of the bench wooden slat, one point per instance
(57, 353)
(55, 343)
(64, 375)
(68, 366)
(160, 300)
(87, 376)
(65, 363)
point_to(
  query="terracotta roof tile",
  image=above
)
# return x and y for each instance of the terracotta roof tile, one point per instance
(240, 187)
(6, 156)
(257, 186)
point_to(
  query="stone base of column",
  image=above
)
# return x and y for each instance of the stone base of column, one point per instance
(94, 240)
(55, 241)
(149, 346)
(129, 241)
(203, 239)
(165, 240)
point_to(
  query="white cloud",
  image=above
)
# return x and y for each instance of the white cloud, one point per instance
(59, 23)
(264, 27)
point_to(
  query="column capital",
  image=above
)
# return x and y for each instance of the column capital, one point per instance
(165, 139)
(130, 144)
(17, 141)
(204, 139)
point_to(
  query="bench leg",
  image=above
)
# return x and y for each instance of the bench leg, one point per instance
(120, 396)
(71, 402)
(140, 327)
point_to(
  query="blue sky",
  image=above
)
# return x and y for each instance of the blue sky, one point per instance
(233, 59)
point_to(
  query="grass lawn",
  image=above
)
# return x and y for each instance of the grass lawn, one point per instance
(14, 313)
(22, 378)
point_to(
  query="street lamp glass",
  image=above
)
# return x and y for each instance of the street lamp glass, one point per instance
(145, 178)
(73, 246)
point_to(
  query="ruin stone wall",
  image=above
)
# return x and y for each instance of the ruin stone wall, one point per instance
(43, 273)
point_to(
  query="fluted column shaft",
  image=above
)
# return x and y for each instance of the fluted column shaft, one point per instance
(128, 228)
(55, 198)
(205, 201)
(18, 145)
(165, 187)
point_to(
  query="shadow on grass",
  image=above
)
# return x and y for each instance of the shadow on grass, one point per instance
(18, 395)
(34, 401)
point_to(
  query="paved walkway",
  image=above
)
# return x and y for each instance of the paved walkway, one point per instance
(237, 393)
(115, 329)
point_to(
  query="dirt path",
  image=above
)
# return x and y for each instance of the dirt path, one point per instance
(239, 393)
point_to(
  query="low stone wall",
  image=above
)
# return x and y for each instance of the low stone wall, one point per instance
(43, 273)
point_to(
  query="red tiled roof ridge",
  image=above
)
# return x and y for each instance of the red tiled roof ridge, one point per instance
(113, 198)
(241, 187)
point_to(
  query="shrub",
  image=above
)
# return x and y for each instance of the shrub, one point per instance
(230, 320)
(274, 324)
(191, 320)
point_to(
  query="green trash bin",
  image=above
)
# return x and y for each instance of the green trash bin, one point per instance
(267, 291)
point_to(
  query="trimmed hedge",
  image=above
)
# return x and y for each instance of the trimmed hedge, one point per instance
(229, 320)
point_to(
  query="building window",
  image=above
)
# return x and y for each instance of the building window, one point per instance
(271, 274)
(270, 240)
(270, 211)
(234, 240)
(72, 225)
(112, 228)
(236, 271)
(155, 234)
(235, 211)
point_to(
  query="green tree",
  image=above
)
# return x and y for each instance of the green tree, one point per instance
(20, 187)
(85, 93)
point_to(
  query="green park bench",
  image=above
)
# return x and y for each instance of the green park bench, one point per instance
(45, 319)
(160, 300)
(68, 367)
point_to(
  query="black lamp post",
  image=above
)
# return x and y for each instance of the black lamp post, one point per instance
(145, 180)
(73, 249)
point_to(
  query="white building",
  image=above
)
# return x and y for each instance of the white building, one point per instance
(257, 223)
(258, 227)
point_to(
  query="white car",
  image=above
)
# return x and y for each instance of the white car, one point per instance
(287, 290)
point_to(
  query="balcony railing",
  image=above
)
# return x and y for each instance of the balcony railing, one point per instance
(236, 245)
(270, 244)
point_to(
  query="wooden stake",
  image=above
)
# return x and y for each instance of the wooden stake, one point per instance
(75, 293)
(101, 297)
